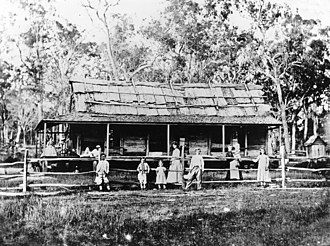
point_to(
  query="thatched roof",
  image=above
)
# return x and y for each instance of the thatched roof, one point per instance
(108, 101)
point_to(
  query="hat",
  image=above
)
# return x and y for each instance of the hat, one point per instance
(102, 154)
(98, 146)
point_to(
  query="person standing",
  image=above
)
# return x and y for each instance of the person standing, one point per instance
(229, 158)
(263, 175)
(96, 154)
(160, 175)
(175, 169)
(50, 150)
(195, 170)
(102, 171)
(143, 169)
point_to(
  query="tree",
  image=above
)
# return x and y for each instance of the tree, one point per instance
(292, 72)
(65, 48)
(32, 51)
(198, 43)
(5, 90)
(126, 50)
(49, 51)
(101, 12)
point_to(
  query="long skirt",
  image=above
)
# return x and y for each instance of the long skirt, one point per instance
(263, 175)
(175, 172)
(234, 173)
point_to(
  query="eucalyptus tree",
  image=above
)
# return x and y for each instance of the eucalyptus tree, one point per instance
(290, 62)
(197, 41)
(5, 90)
(49, 51)
(124, 52)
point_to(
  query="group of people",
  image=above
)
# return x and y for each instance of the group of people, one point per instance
(175, 171)
(263, 175)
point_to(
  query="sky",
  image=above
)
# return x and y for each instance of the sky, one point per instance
(139, 10)
(146, 9)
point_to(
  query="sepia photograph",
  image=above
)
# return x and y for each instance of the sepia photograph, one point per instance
(165, 122)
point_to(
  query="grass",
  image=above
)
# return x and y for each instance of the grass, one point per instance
(229, 216)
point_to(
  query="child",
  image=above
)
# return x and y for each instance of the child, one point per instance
(143, 170)
(102, 170)
(263, 168)
(161, 178)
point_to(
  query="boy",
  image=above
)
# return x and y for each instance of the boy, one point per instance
(143, 170)
(102, 170)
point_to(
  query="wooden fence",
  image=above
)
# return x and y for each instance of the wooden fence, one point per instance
(281, 176)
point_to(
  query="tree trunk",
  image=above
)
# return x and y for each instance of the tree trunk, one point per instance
(11, 136)
(5, 133)
(283, 113)
(305, 128)
(285, 130)
(111, 55)
(24, 138)
(19, 131)
(315, 125)
(40, 111)
(293, 138)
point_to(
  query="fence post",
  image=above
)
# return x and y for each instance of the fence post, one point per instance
(25, 171)
(182, 143)
(282, 152)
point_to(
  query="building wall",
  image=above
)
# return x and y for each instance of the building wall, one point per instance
(132, 140)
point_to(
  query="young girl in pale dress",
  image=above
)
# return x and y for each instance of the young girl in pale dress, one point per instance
(161, 178)
(263, 175)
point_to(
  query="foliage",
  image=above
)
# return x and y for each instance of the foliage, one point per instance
(289, 61)
(49, 50)
(191, 42)
(197, 42)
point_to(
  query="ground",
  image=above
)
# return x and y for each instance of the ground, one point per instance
(223, 216)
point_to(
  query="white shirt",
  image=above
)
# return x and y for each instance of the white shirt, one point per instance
(102, 167)
(197, 160)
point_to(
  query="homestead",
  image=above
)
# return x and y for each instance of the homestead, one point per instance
(143, 118)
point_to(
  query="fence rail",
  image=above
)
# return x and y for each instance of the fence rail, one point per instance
(283, 174)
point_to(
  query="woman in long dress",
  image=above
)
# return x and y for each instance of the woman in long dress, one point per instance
(263, 175)
(175, 169)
